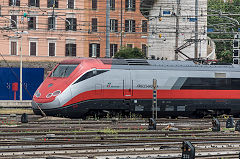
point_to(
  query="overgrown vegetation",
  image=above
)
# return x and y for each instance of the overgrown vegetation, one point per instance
(225, 25)
(130, 53)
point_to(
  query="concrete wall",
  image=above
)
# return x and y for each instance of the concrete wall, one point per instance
(164, 46)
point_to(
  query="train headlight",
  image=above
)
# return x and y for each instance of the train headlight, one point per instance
(37, 94)
(49, 95)
(56, 93)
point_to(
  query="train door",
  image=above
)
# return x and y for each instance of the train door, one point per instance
(98, 89)
(127, 84)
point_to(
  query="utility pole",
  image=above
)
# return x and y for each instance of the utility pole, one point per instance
(196, 29)
(108, 29)
(177, 29)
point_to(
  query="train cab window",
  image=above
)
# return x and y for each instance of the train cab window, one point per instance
(63, 70)
(90, 74)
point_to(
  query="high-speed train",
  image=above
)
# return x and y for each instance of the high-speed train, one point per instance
(78, 87)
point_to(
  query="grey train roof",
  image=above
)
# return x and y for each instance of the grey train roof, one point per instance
(143, 64)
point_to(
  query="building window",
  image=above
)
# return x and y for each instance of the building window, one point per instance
(94, 50)
(236, 53)
(144, 49)
(14, 21)
(70, 49)
(70, 4)
(144, 26)
(51, 49)
(129, 45)
(113, 49)
(235, 61)
(94, 4)
(33, 3)
(129, 26)
(94, 25)
(32, 23)
(113, 25)
(112, 4)
(13, 48)
(52, 3)
(71, 24)
(33, 48)
(130, 5)
(14, 2)
(51, 23)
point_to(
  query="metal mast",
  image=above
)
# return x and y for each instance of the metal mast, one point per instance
(108, 29)
(196, 29)
(177, 29)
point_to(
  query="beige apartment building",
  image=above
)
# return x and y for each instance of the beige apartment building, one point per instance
(53, 29)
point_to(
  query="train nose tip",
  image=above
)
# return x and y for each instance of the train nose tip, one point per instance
(48, 105)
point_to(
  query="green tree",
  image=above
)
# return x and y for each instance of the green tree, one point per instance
(225, 56)
(129, 53)
(224, 25)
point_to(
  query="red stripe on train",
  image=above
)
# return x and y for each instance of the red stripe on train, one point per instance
(161, 94)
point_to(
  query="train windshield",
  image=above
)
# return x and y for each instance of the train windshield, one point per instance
(63, 70)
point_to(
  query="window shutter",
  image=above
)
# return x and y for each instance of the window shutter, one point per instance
(49, 23)
(98, 50)
(74, 49)
(90, 50)
(17, 2)
(74, 24)
(51, 49)
(49, 3)
(113, 4)
(94, 24)
(37, 3)
(10, 2)
(134, 5)
(71, 4)
(111, 50)
(67, 50)
(94, 4)
(126, 25)
(116, 25)
(67, 24)
(34, 22)
(56, 3)
(133, 26)
(144, 26)
(115, 48)
(126, 5)
(33, 48)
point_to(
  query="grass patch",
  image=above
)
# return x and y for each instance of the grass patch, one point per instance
(16, 111)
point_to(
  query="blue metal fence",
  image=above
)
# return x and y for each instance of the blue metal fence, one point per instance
(32, 78)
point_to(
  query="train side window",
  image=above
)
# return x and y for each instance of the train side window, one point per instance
(90, 74)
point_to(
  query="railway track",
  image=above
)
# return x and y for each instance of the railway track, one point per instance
(112, 138)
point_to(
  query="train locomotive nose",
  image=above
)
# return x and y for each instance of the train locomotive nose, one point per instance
(47, 108)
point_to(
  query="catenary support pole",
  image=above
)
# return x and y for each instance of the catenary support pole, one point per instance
(107, 29)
